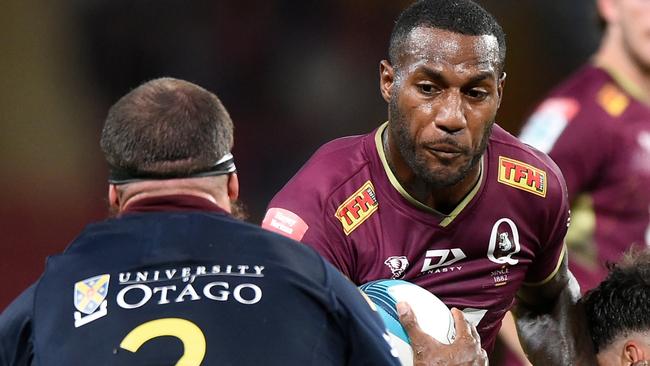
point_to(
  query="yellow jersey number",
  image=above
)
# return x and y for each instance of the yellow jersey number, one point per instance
(190, 335)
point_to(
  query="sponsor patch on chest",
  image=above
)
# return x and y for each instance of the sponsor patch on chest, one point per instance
(612, 100)
(357, 208)
(522, 176)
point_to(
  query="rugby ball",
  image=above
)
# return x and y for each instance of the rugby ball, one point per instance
(433, 316)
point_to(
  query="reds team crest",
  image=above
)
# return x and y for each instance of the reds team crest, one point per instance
(89, 295)
(397, 265)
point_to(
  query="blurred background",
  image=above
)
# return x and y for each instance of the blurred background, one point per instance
(293, 74)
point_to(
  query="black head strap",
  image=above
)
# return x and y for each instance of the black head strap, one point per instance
(225, 165)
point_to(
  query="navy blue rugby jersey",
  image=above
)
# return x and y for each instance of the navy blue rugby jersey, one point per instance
(178, 281)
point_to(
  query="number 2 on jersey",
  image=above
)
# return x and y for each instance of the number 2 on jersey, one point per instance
(190, 335)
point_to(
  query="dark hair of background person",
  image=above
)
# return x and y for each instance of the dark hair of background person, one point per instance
(458, 16)
(621, 303)
(166, 127)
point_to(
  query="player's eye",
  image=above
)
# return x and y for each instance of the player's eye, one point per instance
(426, 88)
(477, 94)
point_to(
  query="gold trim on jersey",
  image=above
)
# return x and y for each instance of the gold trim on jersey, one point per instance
(396, 184)
(626, 84)
(550, 276)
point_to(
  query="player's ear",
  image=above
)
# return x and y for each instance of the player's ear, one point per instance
(632, 352)
(113, 198)
(233, 186)
(607, 10)
(386, 79)
(501, 84)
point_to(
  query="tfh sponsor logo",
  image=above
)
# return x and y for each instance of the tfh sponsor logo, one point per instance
(357, 208)
(439, 260)
(522, 176)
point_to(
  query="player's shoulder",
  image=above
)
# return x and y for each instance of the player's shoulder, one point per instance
(590, 94)
(505, 143)
(332, 166)
(584, 103)
(585, 81)
(298, 259)
(587, 92)
(525, 167)
(336, 161)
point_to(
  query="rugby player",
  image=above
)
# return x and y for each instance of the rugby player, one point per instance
(618, 312)
(440, 195)
(596, 127)
(174, 278)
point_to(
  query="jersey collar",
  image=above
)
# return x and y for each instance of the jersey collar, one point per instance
(173, 203)
(625, 83)
(398, 186)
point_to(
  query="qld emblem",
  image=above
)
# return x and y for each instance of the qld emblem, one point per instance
(502, 245)
(89, 295)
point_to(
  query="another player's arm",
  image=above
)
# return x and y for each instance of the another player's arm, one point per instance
(368, 342)
(551, 322)
(16, 345)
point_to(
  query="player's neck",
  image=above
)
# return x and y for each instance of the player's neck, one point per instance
(613, 57)
(441, 199)
(149, 189)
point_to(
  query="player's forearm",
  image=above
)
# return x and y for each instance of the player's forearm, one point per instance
(555, 334)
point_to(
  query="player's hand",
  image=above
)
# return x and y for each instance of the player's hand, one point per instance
(427, 351)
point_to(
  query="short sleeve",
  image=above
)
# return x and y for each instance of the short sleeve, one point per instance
(552, 250)
(572, 137)
(304, 218)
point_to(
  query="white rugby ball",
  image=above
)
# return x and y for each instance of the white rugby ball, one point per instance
(433, 316)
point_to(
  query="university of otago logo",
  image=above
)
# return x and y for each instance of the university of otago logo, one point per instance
(522, 176)
(504, 242)
(357, 208)
(90, 299)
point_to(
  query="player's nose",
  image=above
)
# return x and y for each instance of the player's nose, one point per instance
(450, 117)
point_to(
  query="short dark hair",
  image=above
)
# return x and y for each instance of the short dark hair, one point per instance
(166, 127)
(621, 303)
(458, 16)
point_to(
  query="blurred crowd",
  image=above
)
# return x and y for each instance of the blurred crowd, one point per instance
(293, 74)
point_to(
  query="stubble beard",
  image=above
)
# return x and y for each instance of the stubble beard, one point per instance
(417, 161)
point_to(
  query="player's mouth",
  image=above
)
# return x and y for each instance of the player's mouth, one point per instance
(444, 151)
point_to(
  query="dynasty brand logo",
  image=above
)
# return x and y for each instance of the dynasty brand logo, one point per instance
(357, 208)
(443, 260)
(522, 176)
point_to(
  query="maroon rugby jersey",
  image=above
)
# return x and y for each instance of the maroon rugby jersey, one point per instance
(598, 133)
(346, 203)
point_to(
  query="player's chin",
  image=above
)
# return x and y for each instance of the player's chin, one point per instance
(441, 176)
